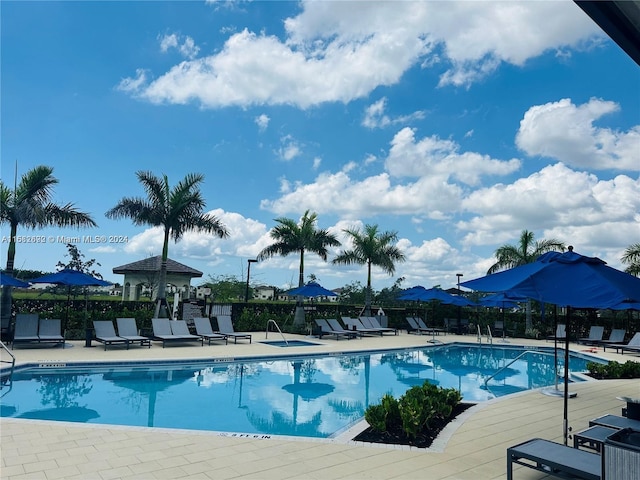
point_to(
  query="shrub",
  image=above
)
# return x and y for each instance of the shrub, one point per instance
(613, 369)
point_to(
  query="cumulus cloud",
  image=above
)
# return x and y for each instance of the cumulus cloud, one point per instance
(566, 132)
(262, 121)
(431, 156)
(289, 148)
(184, 44)
(551, 199)
(341, 51)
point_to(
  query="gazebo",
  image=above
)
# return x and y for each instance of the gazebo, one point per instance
(143, 275)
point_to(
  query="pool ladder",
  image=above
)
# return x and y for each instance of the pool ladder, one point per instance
(504, 367)
(266, 334)
(6, 375)
(489, 336)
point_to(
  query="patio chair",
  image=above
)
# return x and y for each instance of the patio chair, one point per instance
(50, 331)
(337, 327)
(561, 333)
(498, 328)
(595, 335)
(326, 329)
(615, 337)
(225, 326)
(203, 328)
(162, 330)
(357, 325)
(372, 322)
(632, 346)
(26, 329)
(128, 329)
(615, 421)
(432, 330)
(554, 459)
(180, 329)
(106, 334)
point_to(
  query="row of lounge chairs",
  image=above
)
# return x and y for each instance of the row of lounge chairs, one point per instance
(352, 328)
(552, 458)
(30, 328)
(615, 340)
(166, 331)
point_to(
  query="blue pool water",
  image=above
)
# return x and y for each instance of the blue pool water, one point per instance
(289, 343)
(311, 396)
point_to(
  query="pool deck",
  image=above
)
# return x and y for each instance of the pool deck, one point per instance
(472, 447)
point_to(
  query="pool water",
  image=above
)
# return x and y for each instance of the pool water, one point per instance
(289, 343)
(310, 396)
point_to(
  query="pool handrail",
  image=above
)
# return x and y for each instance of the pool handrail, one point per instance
(266, 333)
(504, 367)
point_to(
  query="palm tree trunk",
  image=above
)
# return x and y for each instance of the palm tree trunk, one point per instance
(367, 298)
(6, 300)
(162, 308)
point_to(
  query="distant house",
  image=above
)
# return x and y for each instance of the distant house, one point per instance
(141, 278)
(264, 293)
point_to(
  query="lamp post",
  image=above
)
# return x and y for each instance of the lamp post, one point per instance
(246, 292)
(459, 307)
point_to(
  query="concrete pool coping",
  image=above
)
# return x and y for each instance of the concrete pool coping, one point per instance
(474, 447)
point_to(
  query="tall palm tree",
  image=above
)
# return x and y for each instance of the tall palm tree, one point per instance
(29, 205)
(301, 237)
(526, 251)
(632, 258)
(177, 210)
(371, 247)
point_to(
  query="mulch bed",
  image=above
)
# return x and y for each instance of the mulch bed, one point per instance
(396, 436)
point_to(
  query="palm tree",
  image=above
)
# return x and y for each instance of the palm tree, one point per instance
(526, 251)
(370, 248)
(292, 237)
(632, 258)
(176, 210)
(29, 205)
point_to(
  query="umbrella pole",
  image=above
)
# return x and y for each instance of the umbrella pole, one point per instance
(565, 412)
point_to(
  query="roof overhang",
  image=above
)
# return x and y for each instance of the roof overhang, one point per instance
(620, 20)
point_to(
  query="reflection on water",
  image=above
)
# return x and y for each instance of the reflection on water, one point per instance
(312, 397)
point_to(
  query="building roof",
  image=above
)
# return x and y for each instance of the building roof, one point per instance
(152, 264)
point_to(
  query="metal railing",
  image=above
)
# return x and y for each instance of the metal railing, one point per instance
(277, 327)
(504, 367)
(6, 376)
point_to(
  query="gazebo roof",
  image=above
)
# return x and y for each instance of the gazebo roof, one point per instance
(152, 264)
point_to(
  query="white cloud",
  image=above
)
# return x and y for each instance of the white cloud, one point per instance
(432, 156)
(135, 84)
(289, 148)
(341, 51)
(184, 44)
(566, 132)
(262, 121)
(374, 116)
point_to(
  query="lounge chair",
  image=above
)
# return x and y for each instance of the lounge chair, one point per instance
(595, 335)
(325, 329)
(337, 327)
(356, 324)
(225, 326)
(106, 334)
(50, 331)
(554, 459)
(163, 330)
(26, 329)
(561, 333)
(203, 328)
(615, 421)
(615, 337)
(372, 322)
(128, 329)
(498, 328)
(632, 346)
(180, 330)
(432, 330)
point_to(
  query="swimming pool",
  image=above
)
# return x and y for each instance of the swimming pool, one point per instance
(310, 395)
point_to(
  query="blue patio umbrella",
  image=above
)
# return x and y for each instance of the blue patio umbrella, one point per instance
(569, 280)
(421, 294)
(312, 289)
(9, 281)
(72, 278)
(501, 300)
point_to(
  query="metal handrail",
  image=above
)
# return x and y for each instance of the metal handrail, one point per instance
(271, 320)
(504, 367)
(12, 362)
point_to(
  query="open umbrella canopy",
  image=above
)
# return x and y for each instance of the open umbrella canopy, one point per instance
(71, 278)
(421, 294)
(9, 281)
(312, 289)
(501, 300)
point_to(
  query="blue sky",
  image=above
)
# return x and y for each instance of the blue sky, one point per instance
(455, 124)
